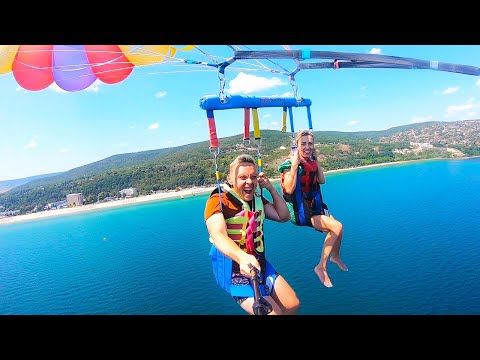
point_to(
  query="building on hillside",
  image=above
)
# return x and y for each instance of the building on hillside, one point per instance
(56, 205)
(9, 213)
(128, 192)
(75, 199)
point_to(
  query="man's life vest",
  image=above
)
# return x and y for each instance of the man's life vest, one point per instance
(246, 229)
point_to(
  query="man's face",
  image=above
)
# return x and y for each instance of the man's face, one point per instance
(244, 180)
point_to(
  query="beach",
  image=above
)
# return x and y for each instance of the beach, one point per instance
(180, 194)
(172, 194)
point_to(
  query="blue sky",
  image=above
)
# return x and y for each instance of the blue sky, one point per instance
(157, 106)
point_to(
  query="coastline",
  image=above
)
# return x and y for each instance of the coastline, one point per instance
(181, 194)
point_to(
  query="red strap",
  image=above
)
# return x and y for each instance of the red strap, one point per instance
(246, 124)
(213, 132)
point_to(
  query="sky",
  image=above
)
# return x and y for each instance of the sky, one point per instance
(157, 106)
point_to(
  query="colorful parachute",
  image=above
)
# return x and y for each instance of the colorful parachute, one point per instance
(76, 67)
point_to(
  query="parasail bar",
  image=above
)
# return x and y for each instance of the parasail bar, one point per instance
(211, 102)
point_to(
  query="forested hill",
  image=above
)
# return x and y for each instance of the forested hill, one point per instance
(193, 164)
(10, 184)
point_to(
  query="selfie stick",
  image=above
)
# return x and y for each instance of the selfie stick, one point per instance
(260, 305)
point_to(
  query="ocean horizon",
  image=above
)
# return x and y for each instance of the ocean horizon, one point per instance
(410, 242)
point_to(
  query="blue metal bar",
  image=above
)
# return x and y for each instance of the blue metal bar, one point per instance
(211, 102)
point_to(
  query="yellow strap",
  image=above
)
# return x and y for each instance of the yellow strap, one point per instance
(256, 126)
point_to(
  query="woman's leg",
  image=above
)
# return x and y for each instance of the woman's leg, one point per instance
(335, 253)
(331, 246)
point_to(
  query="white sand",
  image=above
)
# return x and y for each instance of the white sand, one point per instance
(129, 201)
(156, 197)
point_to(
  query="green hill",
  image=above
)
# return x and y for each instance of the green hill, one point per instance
(193, 164)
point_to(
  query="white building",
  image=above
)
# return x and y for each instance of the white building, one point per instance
(128, 192)
(56, 205)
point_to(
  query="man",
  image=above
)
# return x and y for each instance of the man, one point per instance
(234, 218)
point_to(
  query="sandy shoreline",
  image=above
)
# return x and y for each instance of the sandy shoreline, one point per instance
(159, 196)
(181, 194)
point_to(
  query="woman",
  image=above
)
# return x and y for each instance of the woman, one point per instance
(300, 181)
(234, 219)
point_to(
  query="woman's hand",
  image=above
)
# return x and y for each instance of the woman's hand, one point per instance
(295, 158)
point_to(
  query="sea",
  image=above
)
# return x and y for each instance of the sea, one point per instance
(411, 243)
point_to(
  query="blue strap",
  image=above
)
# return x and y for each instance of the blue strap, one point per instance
(299, 199)
(222, 270)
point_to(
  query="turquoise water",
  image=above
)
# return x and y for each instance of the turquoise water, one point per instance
(411, 244)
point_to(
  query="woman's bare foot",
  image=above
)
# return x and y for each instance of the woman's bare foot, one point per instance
(339, 262)
(323, 276)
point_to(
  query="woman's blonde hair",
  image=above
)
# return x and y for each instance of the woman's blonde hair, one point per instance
(298, 139)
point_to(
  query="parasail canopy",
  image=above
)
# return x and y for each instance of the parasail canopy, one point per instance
(76, 67)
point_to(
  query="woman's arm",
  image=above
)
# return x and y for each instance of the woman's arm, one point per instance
(278, 210)
(321, 175)
(290, 176)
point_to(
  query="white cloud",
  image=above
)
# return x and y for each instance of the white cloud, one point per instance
(54, 87)
(19, 88)
(64, 150)
(246, 84)
(455, 109)
(285, 94)
(451, 90)
(32, 144)
(464, 110)
(154, 126)
(95, 87)
(376, 51)
(477, 83)
(271, 125)
(161, 94)
(353, 123)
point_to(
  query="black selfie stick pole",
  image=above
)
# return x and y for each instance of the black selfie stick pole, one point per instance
(260, 305)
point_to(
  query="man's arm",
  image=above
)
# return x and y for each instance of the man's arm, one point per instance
(217, 229)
